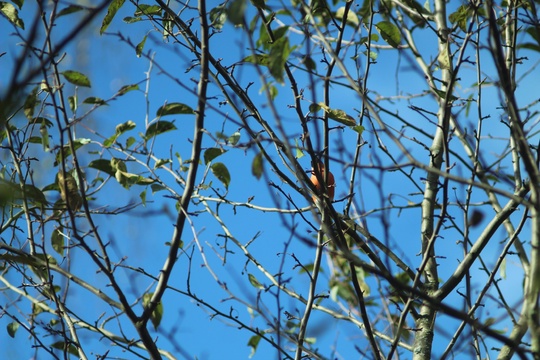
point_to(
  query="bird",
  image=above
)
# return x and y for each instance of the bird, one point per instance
(331, 182)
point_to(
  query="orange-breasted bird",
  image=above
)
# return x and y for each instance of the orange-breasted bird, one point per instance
(331, 182)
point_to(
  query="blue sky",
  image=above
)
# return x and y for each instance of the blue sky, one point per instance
(141, 235)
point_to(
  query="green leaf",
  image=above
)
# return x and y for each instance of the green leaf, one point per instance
(253, 343)
(44, 137)
(212, 153)
(253, 280)
(156, 187)
(279, 53)
(19, 3)
(460, 16)
(118, 164)
(30, 103)
(61, 345)
(299, 152)
(102, 165)
(442, 94)
(130, 141)
(270, 88)
(69, 10)
(338, 115)
(120, 129)
(142, 196)
(157, 314)
(236, 11)
(162, 162)
(259, 59)
(359, 129)
(234, 138)
(94, 101)
(222, 173)
(57, 241)
(265, 42)
(127, 88)
(218, 16)
(66, 149)
(313, 108)
(72, 100)
(257, 166)
(131, 19)
(111, 12)
(139, 47)
(260, 4)
(168, 25)
(532, 31)
(12, 328)
(174, 108)
(157, 128)
(372, 55)
(43, 121)
(309, 63)
(128, 179)
(445, 62)
(143, 9)
(76, 78)
(365, 11)
(502, 269)
(352, 19)
(11, 13)
(389, 32)
(34, 194)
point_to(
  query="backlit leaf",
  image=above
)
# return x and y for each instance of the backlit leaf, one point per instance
(111, 12)
(157, 314)
(140, 46)
(253, 280)
(11, 13)
(76, 78)
(352, 19)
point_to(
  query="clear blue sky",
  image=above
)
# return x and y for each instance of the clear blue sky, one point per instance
(111, 63)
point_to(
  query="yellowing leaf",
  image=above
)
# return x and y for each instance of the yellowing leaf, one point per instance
(338, 115)
(253, 280)
(157, 314)
(352, 19)
(445, 62)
